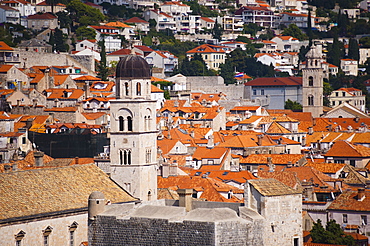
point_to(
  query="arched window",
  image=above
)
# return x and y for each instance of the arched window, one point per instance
(310, 100)
(310, 81)
(149, 195)
(121, 123)
(129, 123)
(138, 89)
(129, 157)
(126, 89)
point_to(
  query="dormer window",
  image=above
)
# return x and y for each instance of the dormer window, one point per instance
(65, 94)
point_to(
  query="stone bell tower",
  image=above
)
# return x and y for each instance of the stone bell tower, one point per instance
(133, 134)
(312, 87)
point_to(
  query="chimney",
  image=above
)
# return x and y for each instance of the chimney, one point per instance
(210, 143)
(86, 88)
(76, 160)
(39, 162)
(270, 164)
(308, 193)
(303, 141)
(259, 140)
(29, 123)
(176, 103)
(7, 168)
(310, 130)
(361, 194)
(185, 198)
(330, 128)
(165, 170)
(15, 167)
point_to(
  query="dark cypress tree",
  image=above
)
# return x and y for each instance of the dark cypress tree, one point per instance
(309, 28)
(102, 66)
(335, 52)
(217, 31)
(353, 50)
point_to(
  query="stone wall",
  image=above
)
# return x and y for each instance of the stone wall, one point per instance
(159, 225)
(214, 84)
(60, 234)
(144, 231)
(30, 58)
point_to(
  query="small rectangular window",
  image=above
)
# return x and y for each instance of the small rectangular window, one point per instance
(71, 238)
(46, 240)
(345, 218)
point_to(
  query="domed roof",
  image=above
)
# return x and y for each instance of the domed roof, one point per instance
(133, 66)
(96, 195)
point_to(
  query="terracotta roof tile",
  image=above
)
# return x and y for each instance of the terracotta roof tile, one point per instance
(346, 149)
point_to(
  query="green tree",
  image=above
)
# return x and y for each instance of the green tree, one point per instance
(327, 90)
(335, 52)
(84, 14)
(268, 35)
(293, 105)
(102, 66)
(309, 28)
(251, 28)
(64, 19)
(302, 53)
(217, 31)
(353, 50)
(294, 31)
(85, 33)
(227, 72)
(331, 234)
(60, 41)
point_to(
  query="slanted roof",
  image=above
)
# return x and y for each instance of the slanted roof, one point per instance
(346, 149)
(136, 20)
(272, 187)
(348, 201)
(5, 47)
(52, 190)
(274, 81)
(44, 16)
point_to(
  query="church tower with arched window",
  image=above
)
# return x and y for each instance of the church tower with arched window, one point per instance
(312, 82)
(133, 133)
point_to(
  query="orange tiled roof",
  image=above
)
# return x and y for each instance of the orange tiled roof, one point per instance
(204, 48)
(211, 187)
(5, 47)
(346, 149)
(118, 24)
(327, 167)
(87, 78)
(205, 153)
(348, 201)
(5, 68)
(154, 88)
(93, 116)
(276, 128)
(59, 93)
(275, 158)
